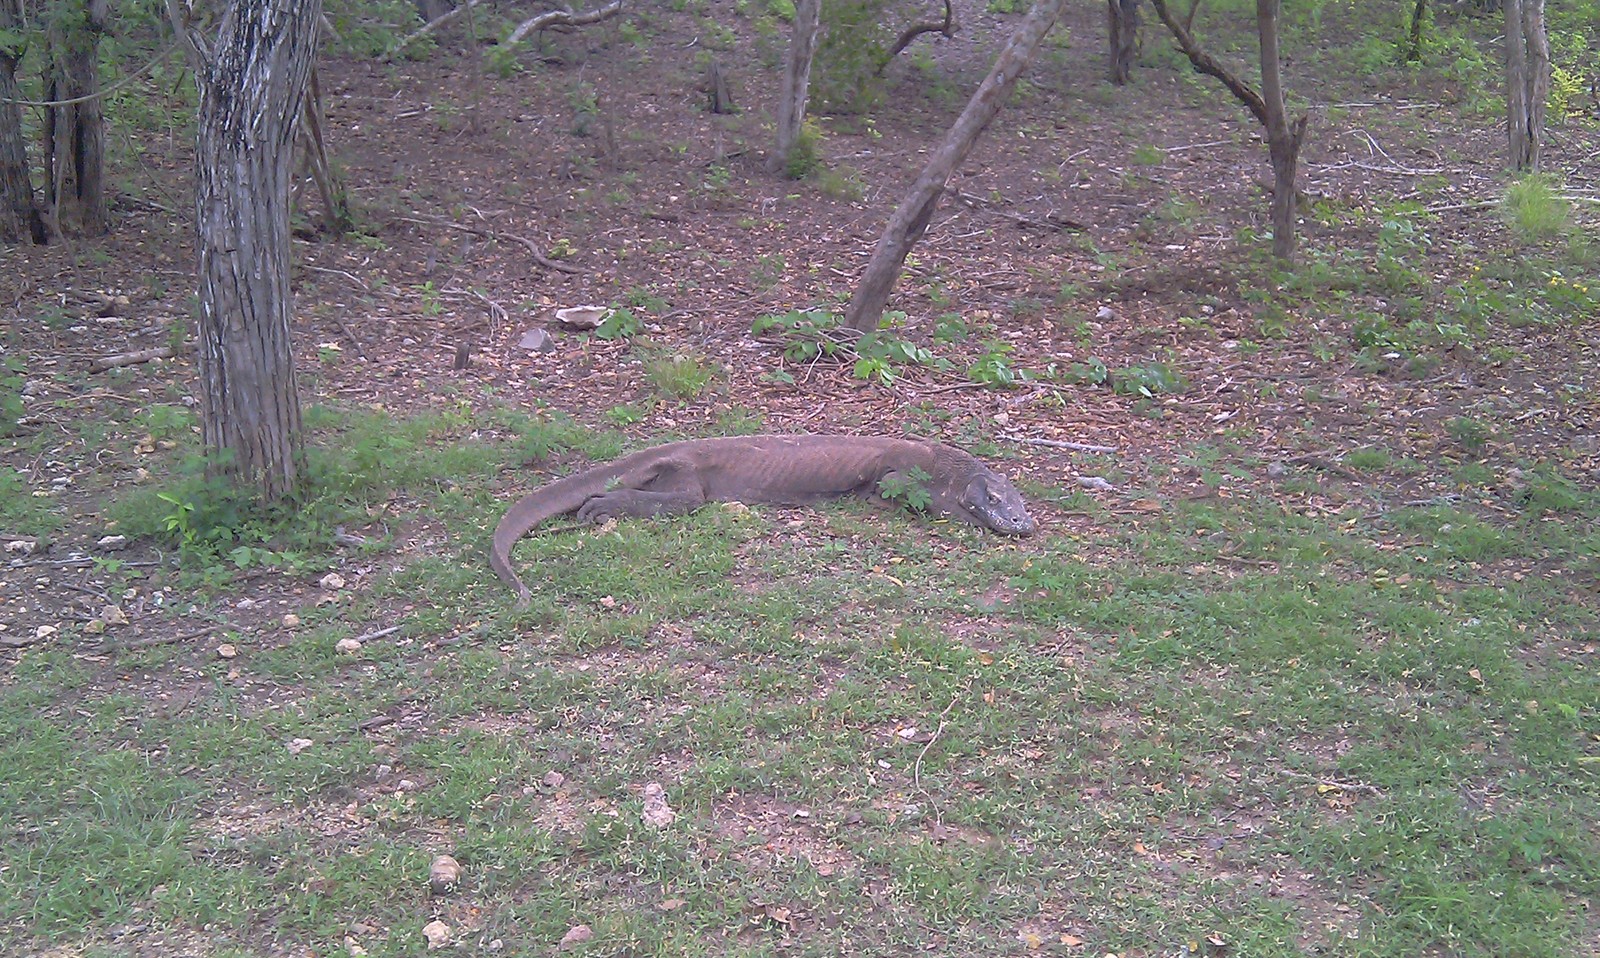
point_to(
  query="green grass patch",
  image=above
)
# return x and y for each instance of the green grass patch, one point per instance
(1293, 733)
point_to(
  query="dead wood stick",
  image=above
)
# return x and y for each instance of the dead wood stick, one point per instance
(378, 634)
(1328, 783)
(1061, 444)
(562, 18)
(538, 256)
(428, 28)
(162, 639)
(129, 359)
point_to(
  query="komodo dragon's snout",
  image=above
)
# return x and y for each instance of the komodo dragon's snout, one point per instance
(995, 503)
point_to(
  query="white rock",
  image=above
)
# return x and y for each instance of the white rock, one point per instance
(437, 933)
(113, 542)
(332, 580)
(227, 651)
(347, 646)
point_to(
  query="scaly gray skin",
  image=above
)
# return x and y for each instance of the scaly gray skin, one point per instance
(782, 470)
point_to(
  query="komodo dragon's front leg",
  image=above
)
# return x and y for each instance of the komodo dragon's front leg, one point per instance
(669, 488)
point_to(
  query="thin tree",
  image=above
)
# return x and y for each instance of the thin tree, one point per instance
(796, 80)
(74, 128)
(1527, 82)
(19, 213)
(1122, 34)
(911, 219)
(1284, 136)
(252, 82)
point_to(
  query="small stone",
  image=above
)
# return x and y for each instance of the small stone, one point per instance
(437, 933)
(1277, 470)
(298, 745)
(347, 646)
(582, 317)
(1105, 314)
(291, 621)
(405, 785)
(44, 631)
(444, 875)
(227, 651)
(576, 935)
(112, 543)
(554, 779)
(94, 627)
(23, 547)
(537, 341)
(656, 810)
(332, 580)
(113, 615)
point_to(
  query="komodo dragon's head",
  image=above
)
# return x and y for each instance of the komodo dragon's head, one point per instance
(993, 502)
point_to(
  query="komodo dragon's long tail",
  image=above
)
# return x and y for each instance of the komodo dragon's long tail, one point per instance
(546, 502)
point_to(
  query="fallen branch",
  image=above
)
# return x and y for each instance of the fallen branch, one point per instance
(129, 359)
(538, 256)
(946, 27)
(562, 18)
(429, 28)
(1326, 784)
(1061, 444)
(161, 640)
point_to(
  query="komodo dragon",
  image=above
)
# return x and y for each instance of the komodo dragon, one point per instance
(679, 477)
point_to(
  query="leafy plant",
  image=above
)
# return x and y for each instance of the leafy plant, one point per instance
(1534, 209)
(620, 323)
(909, 489)
(679, 374)
(994, 369)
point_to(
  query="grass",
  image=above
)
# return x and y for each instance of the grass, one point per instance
(1365, 734)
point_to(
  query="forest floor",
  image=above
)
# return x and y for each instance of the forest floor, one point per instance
(1392, 448)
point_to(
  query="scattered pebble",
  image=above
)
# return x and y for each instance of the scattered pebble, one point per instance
(227, 651)
(44, 631)
(576, 935)
(290, 620)
(444, 875)
(24, 547)
(113, 542)
(554, 779)
(113, 615)
(537, 340)
(347, 646)
(437, 933)
(332, 580)
(298, 745)
(656, 810)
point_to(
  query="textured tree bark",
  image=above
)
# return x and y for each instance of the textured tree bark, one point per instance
(74, 133)
(1283, 138)
(1122, 18)
(911, 219)
(19, 214)
(796, 79)
(251, 90)
(1527, 83)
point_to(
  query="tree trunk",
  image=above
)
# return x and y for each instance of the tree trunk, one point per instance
(251, 91)
(911, 219)
(796, 80)
(1283, 138)
(74, 133)
(1419, 13)
(1123, 20)
(19, 215)
(1527, 82)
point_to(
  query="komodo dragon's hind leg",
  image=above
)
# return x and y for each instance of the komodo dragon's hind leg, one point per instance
(668, 489)
(639, 502)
